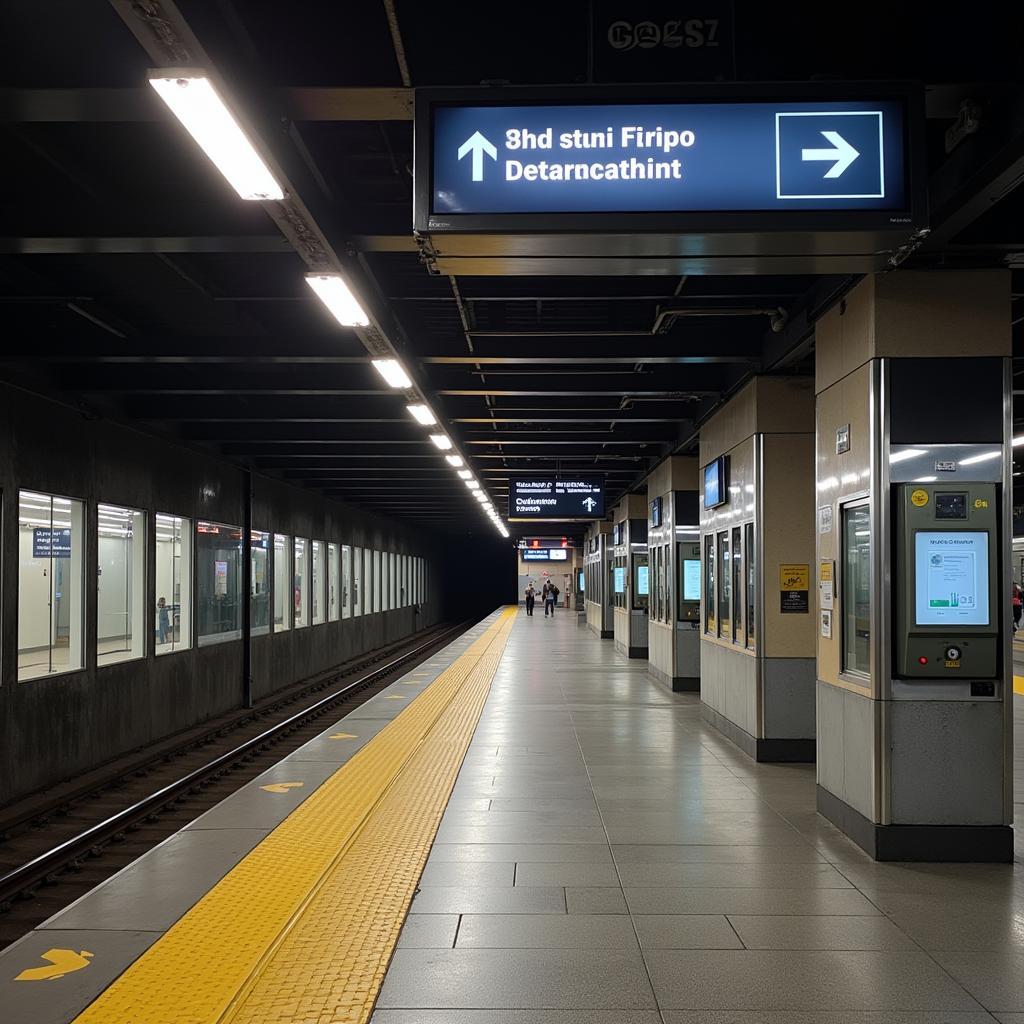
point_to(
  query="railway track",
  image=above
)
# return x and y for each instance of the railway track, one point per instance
(58, 847)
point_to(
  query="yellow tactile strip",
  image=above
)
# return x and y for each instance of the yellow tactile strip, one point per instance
(303, 927)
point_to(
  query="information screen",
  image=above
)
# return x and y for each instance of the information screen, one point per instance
(642, 578)
(714, 484)
(951, 578)
(619, 579)
(580, 497)
(691, 579)
(581, 583)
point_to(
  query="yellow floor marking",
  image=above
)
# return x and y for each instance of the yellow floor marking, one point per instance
(394, 696)
(1018, 685)
(281, 787)
(203, 970)
(62, 961)
(344, 736)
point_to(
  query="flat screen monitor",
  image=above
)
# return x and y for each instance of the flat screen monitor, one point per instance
(714, 483)
(580, 582)
(951, 578)
(691, 579)
(619, 579)
(642, 580)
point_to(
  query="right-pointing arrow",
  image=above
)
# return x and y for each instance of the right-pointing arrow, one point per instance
(477, 144)
(843, 154)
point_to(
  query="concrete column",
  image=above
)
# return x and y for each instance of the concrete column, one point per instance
(629, 551)
(757, 548)
(914, 689)
(673, 536)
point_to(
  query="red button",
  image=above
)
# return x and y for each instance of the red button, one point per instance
(922, 660)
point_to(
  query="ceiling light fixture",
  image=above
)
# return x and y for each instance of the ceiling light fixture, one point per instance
(422, 414)
(454, 460)
(472, 484)
(336, 295)
(392, 372)
(442, 441)
(194, 101)
(465, 474)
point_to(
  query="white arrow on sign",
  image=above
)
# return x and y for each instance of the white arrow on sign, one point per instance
(477, 144)
(589, 504)
(843, 154)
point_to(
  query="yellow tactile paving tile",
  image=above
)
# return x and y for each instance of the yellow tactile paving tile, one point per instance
(209, 967)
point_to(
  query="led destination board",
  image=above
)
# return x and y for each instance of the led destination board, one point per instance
(545, 555)
(580, 497)
(646, 157)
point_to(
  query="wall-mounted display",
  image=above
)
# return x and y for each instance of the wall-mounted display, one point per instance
(715, 483)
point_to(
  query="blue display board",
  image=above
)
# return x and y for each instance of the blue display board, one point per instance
(619, 579)
(578, 497)
(669, 157)
(48, 542)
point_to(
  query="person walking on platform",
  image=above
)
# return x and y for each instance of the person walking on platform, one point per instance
(531, 596)
(550, 599)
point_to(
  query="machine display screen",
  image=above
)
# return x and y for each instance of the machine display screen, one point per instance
(642, 577)
(581, 583)
(691, 579)
(951, 578)
(619, 579)
(714, 483)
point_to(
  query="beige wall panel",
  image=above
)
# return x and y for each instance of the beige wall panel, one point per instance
(845, 335)
(676, 473)
(788, 537)
(949, 313)
(632, 506)
(839, 478)
(729, 426)
(785, 405)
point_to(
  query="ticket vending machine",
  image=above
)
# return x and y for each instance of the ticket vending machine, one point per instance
(946, 594)
(688, 617)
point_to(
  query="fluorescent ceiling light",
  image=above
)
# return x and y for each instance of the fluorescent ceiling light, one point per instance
(983, 457)
(422, 414)
(442, 441)
(472, 484)
(465, 474)
(907, 453)
(503, 531)
(336, 295)
(392, 372)
(480, 496)
(1019, 440)
(925, 479)
(196, 104)
(454, 460)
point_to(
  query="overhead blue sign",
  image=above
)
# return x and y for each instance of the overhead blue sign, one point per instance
(669, 157)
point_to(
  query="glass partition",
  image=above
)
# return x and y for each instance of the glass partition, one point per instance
(283, 593)
(748, 550)
(856, 610)
(301, 582)
(173, 615)
(346, 581)
(51, 553)
(724, 584)
(737, 587)
(710, 618)
(333, 583)
(317, 582)
(120, 584)
(259, 583)
(377, 581)
(357, 581)
(218, 582)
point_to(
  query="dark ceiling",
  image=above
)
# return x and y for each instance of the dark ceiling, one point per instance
(136, 283)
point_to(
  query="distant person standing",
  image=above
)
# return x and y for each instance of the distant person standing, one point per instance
(1018, 606)
(531, 596)
(163, 621)
(550, 599)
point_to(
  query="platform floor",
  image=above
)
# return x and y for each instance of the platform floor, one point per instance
(607, 858)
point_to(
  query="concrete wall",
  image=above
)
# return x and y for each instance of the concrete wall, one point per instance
(56, 726)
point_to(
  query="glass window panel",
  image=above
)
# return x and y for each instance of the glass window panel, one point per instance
(346, 581)
(710, 619)
(357, 581)
(283, 593)
(259, 583)
(334, 595)
(724, 584)
(120, 584)
(368, 577)
(385, 590)
(218, 582)
(301, 582)
(51, 550)
(748, 545)
(317, 583)
(393, 560)
(666, 572)
(173, 616)
(737, 587)
(376, 581)
(856, 611)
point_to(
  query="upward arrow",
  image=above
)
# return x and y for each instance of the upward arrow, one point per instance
(478, 145)
(843, 154)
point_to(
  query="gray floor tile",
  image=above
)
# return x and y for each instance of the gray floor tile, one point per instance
(507, 900)
(956, 924)
(748, 901)
(546, 931)
(468, 873)
(756, 876)
(523, 853)
(686, 931)
(996, 980)
(567, 874)
(429, 931)
(820, 932)
(517, 978)
(594, 900)
(824, 1017)
(676, 854)
(805, 980)
(519, 1017)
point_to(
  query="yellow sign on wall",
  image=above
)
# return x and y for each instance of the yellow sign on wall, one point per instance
(794, 577)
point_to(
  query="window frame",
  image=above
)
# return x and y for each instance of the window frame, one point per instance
(301, 616)
(861, 677)
(287, 595)
(710, 594)
(317, 583)
(137, 600)
(186, 536)
(212, 639)
(262, 630)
